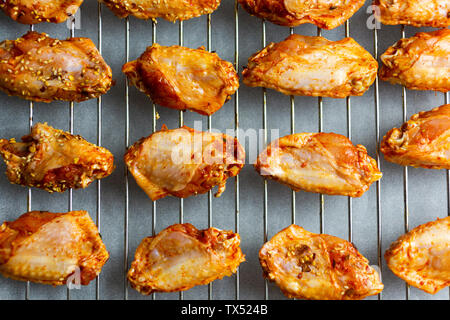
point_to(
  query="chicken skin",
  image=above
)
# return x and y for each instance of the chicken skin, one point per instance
(39, 68)
(171, 10)
(54, 160)
(423, 141)
(319, 162)
(184, 162)
(312, 66)
(313, 266)
(418, 13)
(420, 63)
(421, 257)
(49, 248)
(36, 11)
(325, 14)
(183, 78)
(181, 257)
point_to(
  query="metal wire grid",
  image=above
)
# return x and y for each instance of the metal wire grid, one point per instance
(237, 190)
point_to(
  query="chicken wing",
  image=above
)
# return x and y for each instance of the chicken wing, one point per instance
(419, 63)
(312, 66)
(49, 248)
(319, 162)
(325, 14)
(36, 11)
(171, 10)
(183, 78)
(181, 257)
(419, 13)
(421, 257)
(184, 162)
(423, 141)
(37, 67)
(54, 160)
(313, 266)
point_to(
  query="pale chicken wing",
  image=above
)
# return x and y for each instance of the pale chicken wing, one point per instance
(319, 162)
(419, 13)
(184, 162)
(36, 11)
(421, 62)
(181, 257)
(37, 67)
(49, 248)
(423, 141)
(313, 266)
(54, 160)
(183, 78)
(326, 14)
(312, 66)
(421, 257)
(171, 10)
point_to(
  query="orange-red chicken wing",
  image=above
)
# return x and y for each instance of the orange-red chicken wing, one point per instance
(312, 66)
(319, 162)
(171, 10)
(181, 257)
(36, 11)
(183, 78)
(419, 63)
(419, 13)
(184, 162)
(54, 160)
(313, 266)
(423, 141)
(323, 13)
(421, 257)
(37, 67)
(49, 248)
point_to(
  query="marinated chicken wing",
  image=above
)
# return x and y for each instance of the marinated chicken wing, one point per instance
(323, 13)
(36, 11)
(171, 10)
(319, 162)
(312, 66)
(184, 162)
(37, 67)
(181, 257)
(54, 160)
(419, 63)
(419, 13)
(313, 266)
(423, 141)
(183, 78)
(49, 248)
(422, 256)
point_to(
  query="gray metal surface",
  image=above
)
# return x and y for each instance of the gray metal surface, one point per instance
(257, 209)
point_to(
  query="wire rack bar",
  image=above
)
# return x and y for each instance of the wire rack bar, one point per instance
(70, 199)
(210, 211)
(154, 130)
(264, 124)
(99, 143)
(321, 198)
(446, 100)
(236, 125)
(291, 31)
(127, 143)
(30, 125)
(349, 135)
(377, 137)
(181, 121)
(405, 171)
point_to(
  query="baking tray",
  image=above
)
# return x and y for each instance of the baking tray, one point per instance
(403, 199)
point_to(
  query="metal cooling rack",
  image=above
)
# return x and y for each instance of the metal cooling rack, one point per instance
(28, 291)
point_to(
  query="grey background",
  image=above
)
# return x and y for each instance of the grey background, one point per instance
(427, 188)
